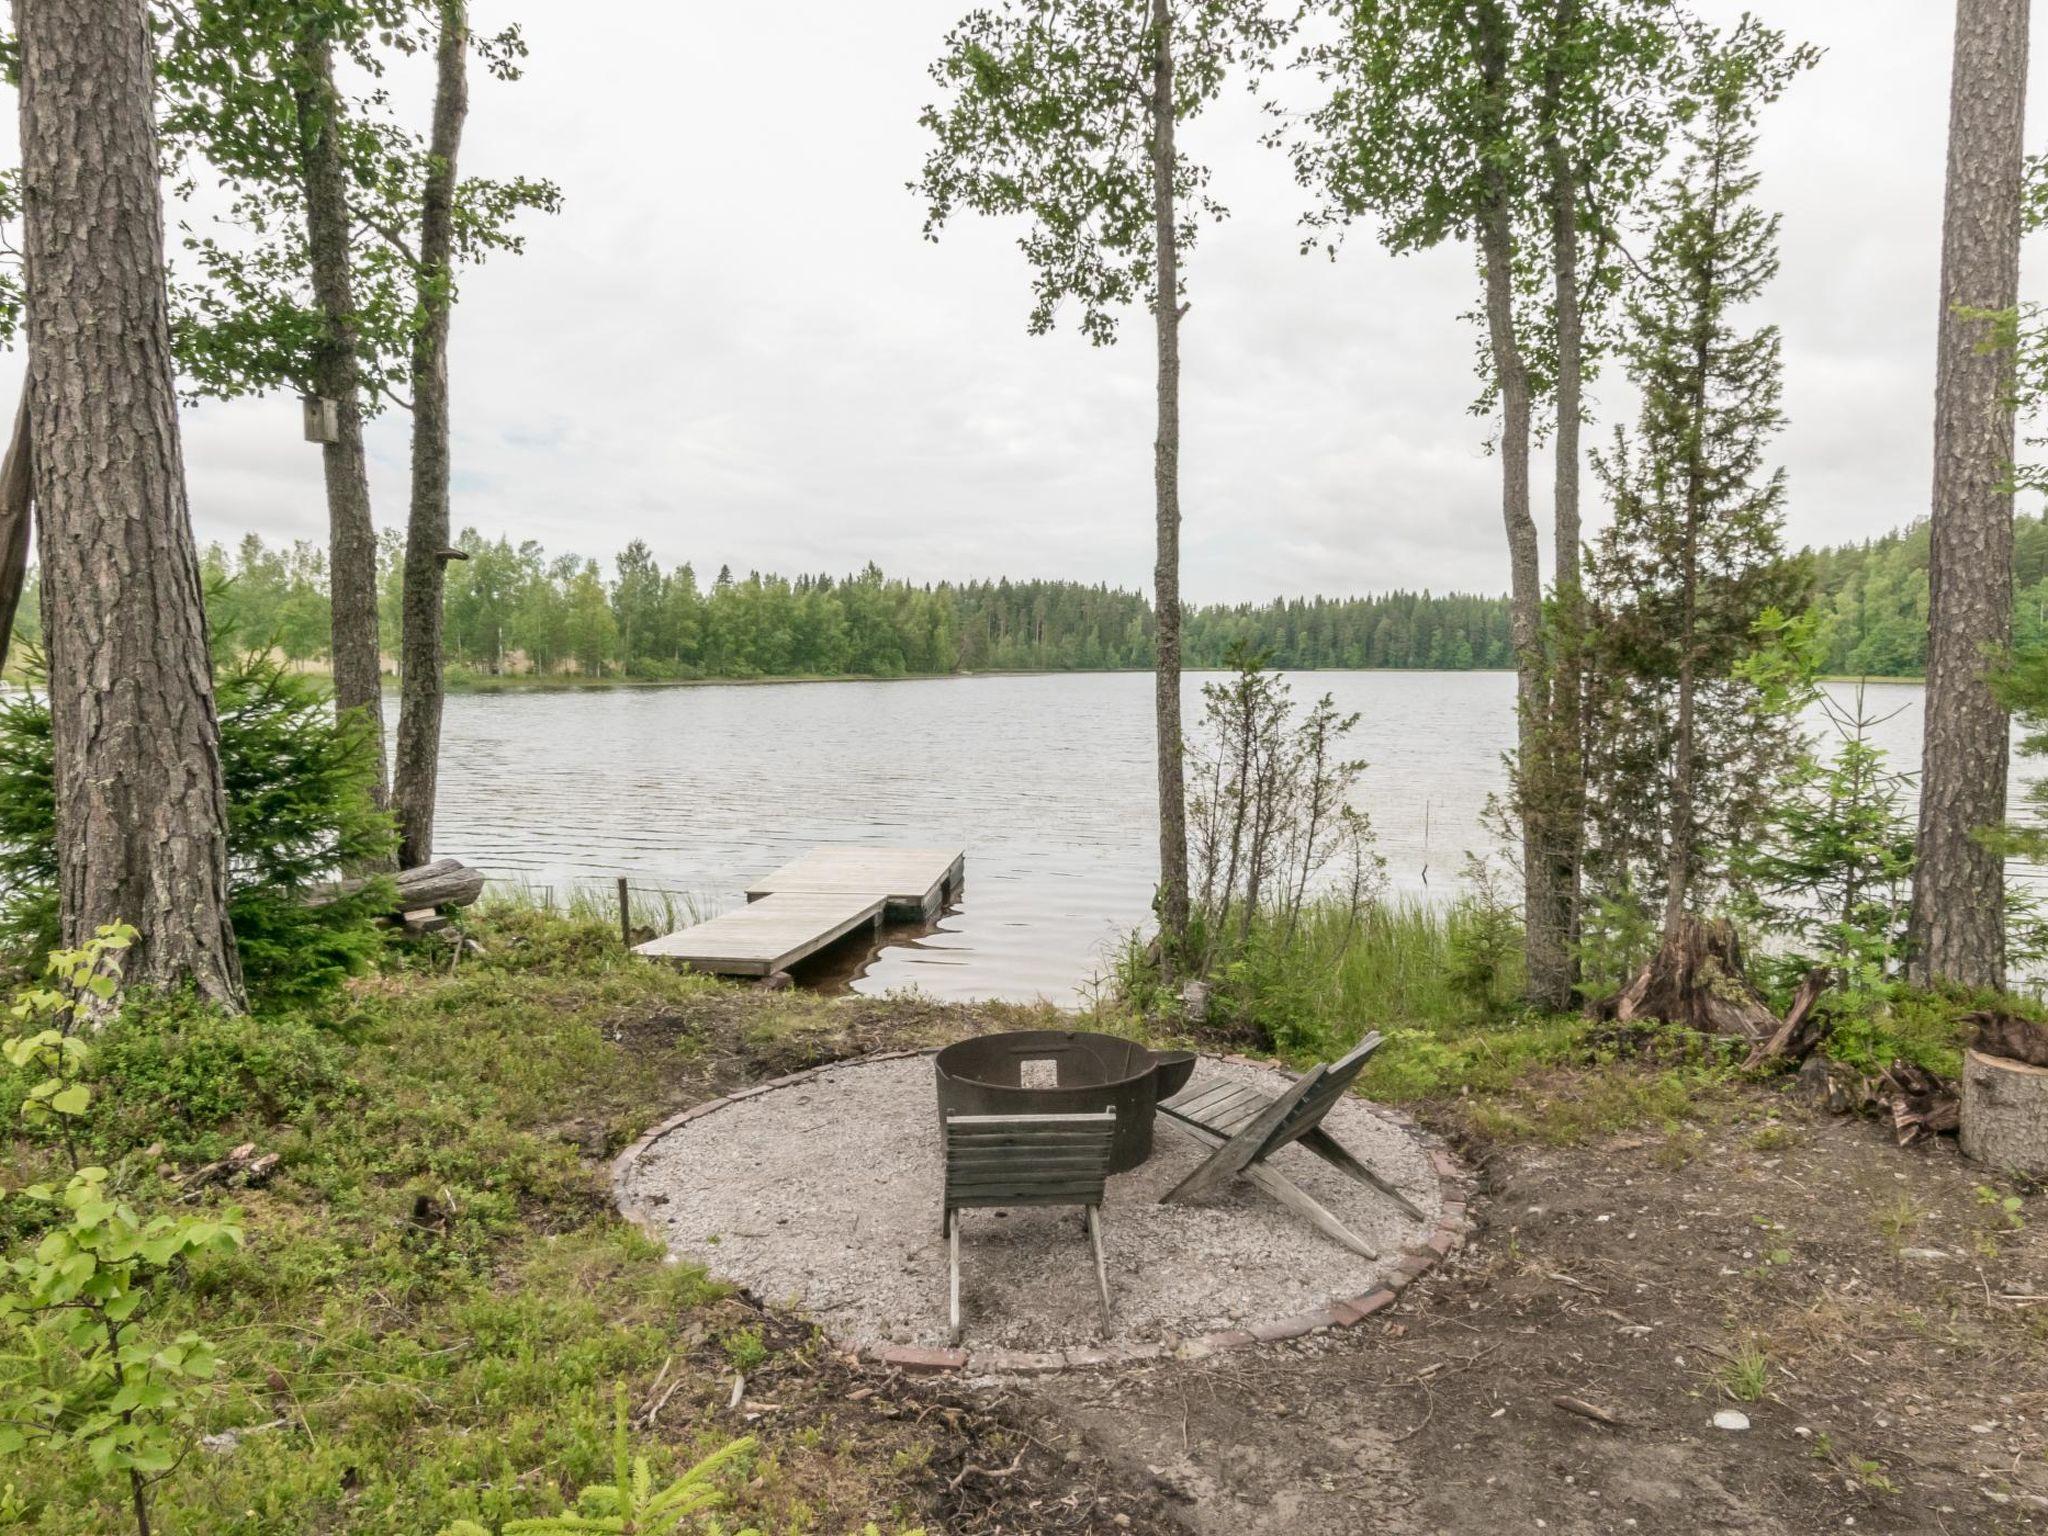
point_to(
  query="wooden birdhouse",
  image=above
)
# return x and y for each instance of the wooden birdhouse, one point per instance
(323, 418)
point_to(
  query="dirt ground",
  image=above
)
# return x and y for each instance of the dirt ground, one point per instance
(1649, 1277)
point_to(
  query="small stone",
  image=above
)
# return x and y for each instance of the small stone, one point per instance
(1730, 1418)
(1925, 1255)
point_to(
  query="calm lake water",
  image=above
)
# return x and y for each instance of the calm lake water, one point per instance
(1046, 781)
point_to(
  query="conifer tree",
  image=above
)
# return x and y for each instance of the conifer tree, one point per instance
(1688, 739)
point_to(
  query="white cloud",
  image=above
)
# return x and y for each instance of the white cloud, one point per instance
(735, 343)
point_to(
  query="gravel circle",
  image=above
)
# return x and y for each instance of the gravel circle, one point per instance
(824, 1194)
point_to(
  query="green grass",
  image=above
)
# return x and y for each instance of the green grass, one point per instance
(435, 1300)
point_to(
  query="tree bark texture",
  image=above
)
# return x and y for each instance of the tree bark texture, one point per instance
(2004, 1122)
(1547, 952)
(1684, 833)
(1957, 932)
(420, 687)
(1561, 781)
(351, 533)
(16, 523)
(1173, 831)
(141, 816)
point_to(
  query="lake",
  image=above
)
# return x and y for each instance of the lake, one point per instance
(1047, 781)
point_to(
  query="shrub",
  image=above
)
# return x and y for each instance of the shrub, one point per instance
(175, 1071)
(299, 810)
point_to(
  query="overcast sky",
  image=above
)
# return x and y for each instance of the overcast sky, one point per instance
(734, 343)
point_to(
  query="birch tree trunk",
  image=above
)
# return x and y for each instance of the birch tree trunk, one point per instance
(351, 533)
(1553, 972)
(1173, 832)
(1543, 913)
(141, 816)
(426, 540)
(1957, 931)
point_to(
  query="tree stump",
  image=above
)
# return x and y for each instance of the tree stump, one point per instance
(1696, 979)
(2005, 1114)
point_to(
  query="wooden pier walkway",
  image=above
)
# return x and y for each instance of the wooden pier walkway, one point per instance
(819, 899)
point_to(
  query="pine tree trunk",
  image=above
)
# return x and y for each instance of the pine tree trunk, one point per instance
(1547, 955)
(1957, 932)
(141, 816)
(419, 712)
(351, 535)
(1173, 831)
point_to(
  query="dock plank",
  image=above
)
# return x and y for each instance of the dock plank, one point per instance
(768, 935)
(915, 881)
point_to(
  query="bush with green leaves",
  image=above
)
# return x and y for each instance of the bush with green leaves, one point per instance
(194, 1080)
(300, 810)
(83, 1371)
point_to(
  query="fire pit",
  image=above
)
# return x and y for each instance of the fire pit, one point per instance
(1064, 1072)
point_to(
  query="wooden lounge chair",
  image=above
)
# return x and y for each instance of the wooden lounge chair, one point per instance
(1244, 1127)
(1012, 1160)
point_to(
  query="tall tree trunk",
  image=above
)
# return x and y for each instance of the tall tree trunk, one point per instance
(426, 539)
(1544, 944)
(1678, 933)
(141, 816)
(1957, 932)
(16, 523)
(1173, 829)
(351, 534)
(1562, 782)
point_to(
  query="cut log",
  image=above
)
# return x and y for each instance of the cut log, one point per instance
(2005, 1114)
(443, 883)
(1696, 979)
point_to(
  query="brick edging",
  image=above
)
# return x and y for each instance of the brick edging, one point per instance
(1454, 1185)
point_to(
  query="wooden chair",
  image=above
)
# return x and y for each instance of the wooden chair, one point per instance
(1244, 1127)
(1012, 1160)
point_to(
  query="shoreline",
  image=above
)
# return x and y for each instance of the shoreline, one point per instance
(525, 682)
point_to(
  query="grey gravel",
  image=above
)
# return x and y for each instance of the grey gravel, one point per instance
(825, 1195)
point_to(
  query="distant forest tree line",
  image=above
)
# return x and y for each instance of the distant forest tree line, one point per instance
(517, 609)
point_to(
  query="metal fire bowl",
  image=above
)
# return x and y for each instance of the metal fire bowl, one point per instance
(1063, 1072)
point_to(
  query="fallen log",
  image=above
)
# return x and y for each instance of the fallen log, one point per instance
(443, 883)
(2005, 1114)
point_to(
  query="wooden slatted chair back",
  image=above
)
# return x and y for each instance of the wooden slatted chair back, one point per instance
(1310, 1110)
(1007, 1160)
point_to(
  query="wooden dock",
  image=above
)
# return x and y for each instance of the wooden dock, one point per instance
(814, 902)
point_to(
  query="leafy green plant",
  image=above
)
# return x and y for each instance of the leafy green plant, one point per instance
(630, 1504)
(189, 1077)
(2006, 1209)
(1485, 932)
(745, 1349)
(87, 1375)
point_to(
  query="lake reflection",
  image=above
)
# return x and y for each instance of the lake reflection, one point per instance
(1047, 782)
